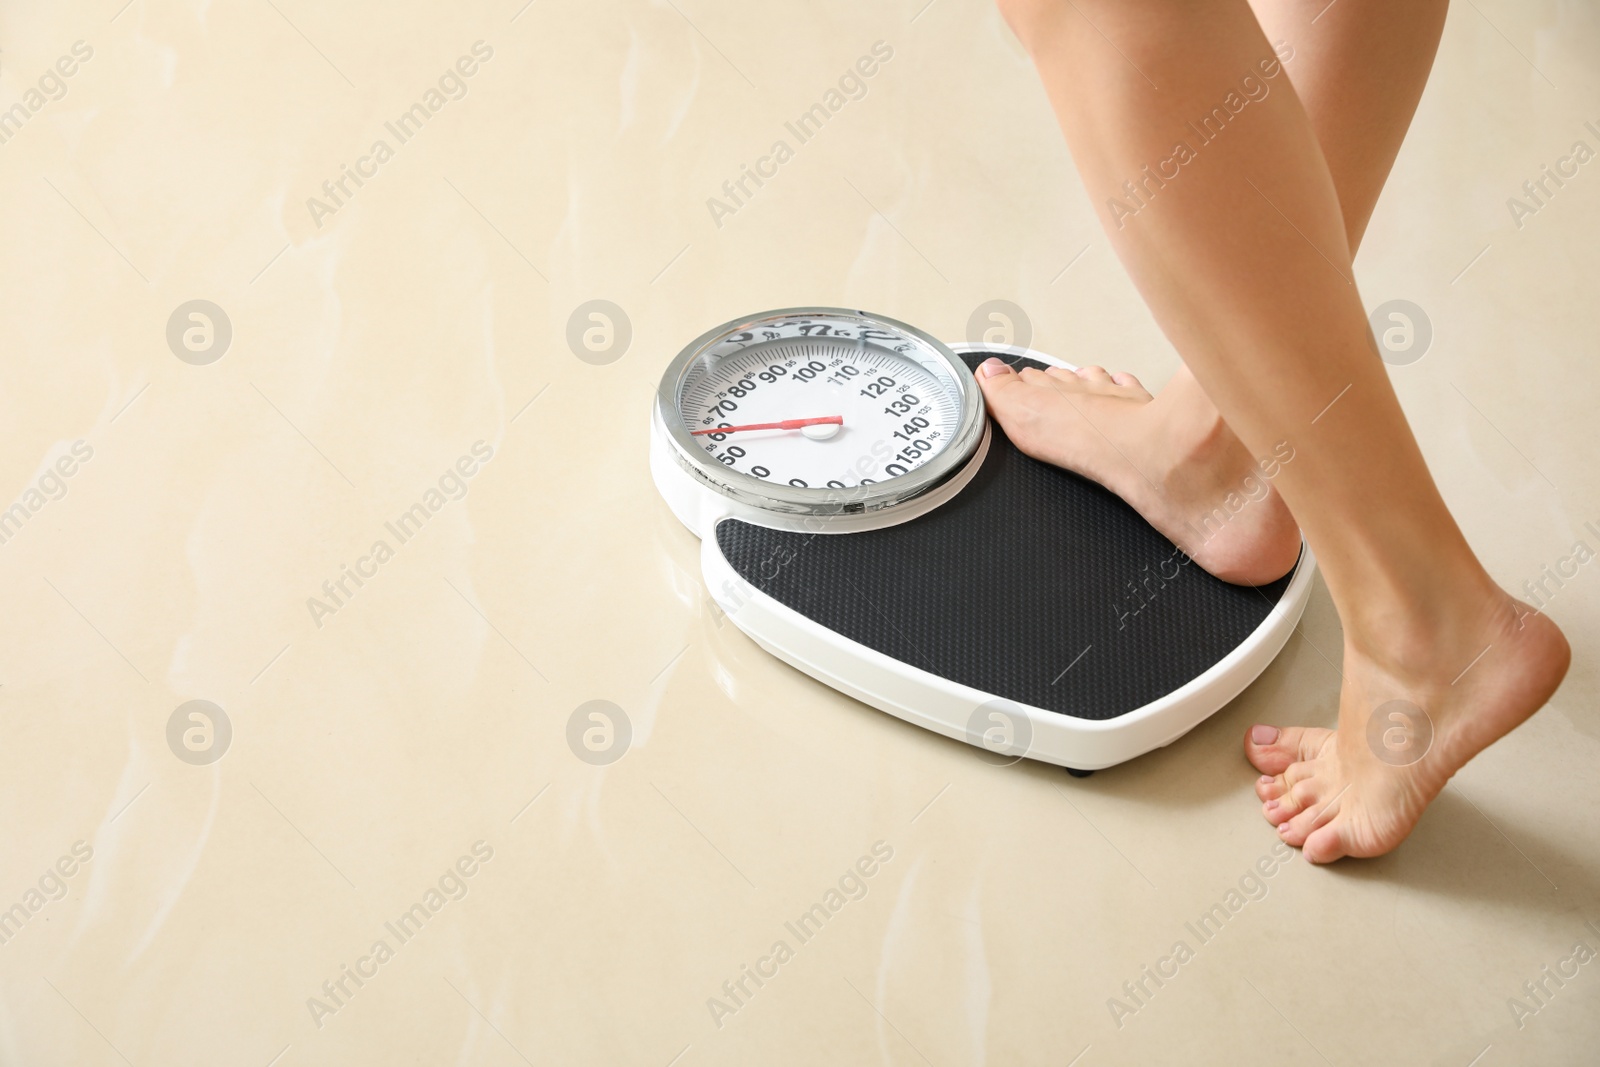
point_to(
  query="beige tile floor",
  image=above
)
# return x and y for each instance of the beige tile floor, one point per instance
(370, 750)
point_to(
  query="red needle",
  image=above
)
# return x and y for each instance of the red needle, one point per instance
(786, 424)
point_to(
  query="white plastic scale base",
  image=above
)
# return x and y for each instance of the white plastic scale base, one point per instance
(926, 699)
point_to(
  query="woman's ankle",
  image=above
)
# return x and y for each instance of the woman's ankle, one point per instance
(1432, 624)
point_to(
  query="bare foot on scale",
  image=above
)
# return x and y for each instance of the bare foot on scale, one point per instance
(1171, 457)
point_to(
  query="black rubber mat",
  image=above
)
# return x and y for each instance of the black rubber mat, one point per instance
(1032, 584)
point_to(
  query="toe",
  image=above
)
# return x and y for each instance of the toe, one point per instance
(1288, 794)
(1002, 386)
(1094, 374)
(1272, 750)
(993, 366)
(1326, 843)
(1293, 830)
(1301, 795)
(1299, 827)
(1130, 386)
(1273, 786)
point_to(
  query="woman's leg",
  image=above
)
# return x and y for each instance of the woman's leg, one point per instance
(1219, 199)
(1359, 69)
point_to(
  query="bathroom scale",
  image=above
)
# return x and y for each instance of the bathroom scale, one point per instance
(864, 520)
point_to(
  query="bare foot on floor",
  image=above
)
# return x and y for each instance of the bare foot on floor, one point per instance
(1359, 790)
(1171, 457)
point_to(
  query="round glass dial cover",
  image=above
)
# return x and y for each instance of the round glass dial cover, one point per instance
(792, 407)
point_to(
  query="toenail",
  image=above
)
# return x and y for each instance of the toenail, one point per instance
(1272, 805)
(1265, 779)
(991, 367)
(1263, 735)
